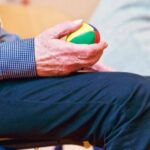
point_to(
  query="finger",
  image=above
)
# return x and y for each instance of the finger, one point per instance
(83, 51)
(88, 51)
(101, 67)
(92, 55)
(84, 55)
(78, 47)
(64, 29)
(89, 55)
(98, 46)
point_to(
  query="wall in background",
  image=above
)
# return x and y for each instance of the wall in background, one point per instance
(38, 15)
(76, 8)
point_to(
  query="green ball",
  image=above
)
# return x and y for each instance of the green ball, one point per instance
(86, 34)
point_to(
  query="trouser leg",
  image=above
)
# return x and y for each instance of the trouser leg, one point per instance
(131, 130)
(99, 107)
(3, 148)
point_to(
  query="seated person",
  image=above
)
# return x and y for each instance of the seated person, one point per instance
(43, 93)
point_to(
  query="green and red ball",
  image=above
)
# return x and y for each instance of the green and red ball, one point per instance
(86, 34)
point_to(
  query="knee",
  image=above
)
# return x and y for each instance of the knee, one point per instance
(126, 87)
(131, 93)
(132, 85)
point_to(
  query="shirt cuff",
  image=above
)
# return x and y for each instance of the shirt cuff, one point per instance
(17, 59)
(7, 37)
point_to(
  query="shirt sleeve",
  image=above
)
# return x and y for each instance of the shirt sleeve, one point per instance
(17, 59)
(7, 37)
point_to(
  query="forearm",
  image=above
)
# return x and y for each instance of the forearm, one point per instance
(17, 59)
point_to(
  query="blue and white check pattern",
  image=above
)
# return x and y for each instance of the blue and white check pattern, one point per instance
(17, 59)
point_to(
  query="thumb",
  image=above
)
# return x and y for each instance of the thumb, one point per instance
(64, 29)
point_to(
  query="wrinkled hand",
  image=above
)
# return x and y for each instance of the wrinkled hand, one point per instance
(98, 67)
(56, 57)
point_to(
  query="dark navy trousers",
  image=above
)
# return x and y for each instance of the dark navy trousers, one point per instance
(111, 110)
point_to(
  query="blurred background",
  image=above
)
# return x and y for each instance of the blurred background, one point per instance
(29, 17)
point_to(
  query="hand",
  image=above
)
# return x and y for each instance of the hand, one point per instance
(55, 57)
(98, 67)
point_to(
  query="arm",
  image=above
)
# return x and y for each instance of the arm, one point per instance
(47, 54)
(17, 59)
(16, 56)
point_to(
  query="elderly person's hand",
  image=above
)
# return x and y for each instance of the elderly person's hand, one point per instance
(56, 57)
(98, 67)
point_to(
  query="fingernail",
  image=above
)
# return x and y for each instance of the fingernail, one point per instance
(79, 21)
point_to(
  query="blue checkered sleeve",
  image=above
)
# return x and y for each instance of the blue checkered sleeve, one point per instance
(17, 59)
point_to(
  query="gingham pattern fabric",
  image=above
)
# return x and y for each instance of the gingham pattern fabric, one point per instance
(7, 37)
(17, 59)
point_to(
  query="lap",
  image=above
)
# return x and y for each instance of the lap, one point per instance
(74, 107)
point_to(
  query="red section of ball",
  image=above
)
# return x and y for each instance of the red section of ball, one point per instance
(97, 37)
